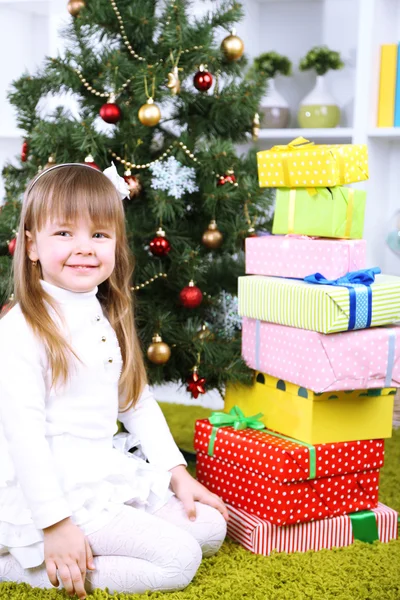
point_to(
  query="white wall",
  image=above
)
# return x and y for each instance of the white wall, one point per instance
(28, 31)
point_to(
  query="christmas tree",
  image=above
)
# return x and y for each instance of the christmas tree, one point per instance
(168, 103)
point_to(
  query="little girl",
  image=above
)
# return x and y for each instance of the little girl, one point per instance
(70, 366)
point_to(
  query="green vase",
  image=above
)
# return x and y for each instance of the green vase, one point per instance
(318, 109)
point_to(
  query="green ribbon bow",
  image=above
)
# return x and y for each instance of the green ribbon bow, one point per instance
(236, 419)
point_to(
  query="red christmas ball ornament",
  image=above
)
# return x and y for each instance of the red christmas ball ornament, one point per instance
(229, 177)
(24, 151)
(196, 384)
(134, 184)
(5, 308)
(191, 296)
(160, 246)
(202, 80)
(111, 112)
(89, 160)
(11, 246)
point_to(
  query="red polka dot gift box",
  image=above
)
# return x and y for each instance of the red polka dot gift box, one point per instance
(285, 481)
(262, 537)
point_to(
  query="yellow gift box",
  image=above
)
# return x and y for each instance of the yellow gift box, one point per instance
(315, 418)
(304, 164)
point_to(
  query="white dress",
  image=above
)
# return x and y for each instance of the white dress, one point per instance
(57, 449)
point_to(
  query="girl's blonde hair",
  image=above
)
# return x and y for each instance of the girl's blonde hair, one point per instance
(67, 193)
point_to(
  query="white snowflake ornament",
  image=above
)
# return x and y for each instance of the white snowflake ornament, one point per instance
(172, 177)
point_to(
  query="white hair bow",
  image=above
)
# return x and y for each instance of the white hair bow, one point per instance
(119, 182)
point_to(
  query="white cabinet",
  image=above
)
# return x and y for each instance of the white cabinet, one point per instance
(356, 28)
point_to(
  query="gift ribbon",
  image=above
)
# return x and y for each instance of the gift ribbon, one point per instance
(312, 192)
(349, 212)
(298, 143)
(360, 294)
(236, 419)
(364, 526)
(391, 355)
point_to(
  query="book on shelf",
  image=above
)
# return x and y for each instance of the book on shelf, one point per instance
(397, 92)
(387, 85)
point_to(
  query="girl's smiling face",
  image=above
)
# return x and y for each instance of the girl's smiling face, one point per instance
(76, 256)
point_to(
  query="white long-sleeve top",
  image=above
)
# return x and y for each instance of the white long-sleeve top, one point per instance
(56, 445)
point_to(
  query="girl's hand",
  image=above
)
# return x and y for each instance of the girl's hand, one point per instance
(67, 550)
(188, 489)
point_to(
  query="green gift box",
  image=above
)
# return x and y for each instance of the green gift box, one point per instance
(322, 308)
(336, 212)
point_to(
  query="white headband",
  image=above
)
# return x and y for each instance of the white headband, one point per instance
(111, 173)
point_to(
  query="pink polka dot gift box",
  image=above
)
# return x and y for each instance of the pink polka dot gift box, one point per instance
(262, 537)
(299, 256)
(349, 360)
(285, 481)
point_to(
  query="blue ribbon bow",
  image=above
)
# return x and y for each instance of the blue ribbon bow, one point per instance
(360, 293)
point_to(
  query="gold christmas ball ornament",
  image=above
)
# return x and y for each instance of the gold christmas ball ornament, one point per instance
(158, 352)
(212, 237)
(149, 113)
(205, 334)
(255, 127)
(75, 6)
(232, 46)
(51, 161)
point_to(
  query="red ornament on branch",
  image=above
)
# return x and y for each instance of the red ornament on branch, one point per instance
(229, 177)
(196, 384)
(11, 246)
(5, 308)
(24, 151)
(89, 160)
(134, 184)
(111, 112)
(160, 246)
(191, 296)
(202, 80)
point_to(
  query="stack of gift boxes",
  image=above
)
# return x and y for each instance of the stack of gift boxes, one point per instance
(297, 455)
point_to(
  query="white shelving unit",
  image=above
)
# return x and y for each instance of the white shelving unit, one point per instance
(334, 135)
(356, 28)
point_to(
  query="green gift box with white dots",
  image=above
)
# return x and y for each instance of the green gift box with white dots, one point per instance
(323, 212)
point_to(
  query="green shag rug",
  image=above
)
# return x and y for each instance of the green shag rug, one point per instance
(359, 572)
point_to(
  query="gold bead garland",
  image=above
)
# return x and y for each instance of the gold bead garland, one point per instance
(127, 43)
(130, 165)
(140, 286)
(101, 94)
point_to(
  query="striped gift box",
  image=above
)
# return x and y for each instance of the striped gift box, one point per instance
(322, 308)
(261, 537)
